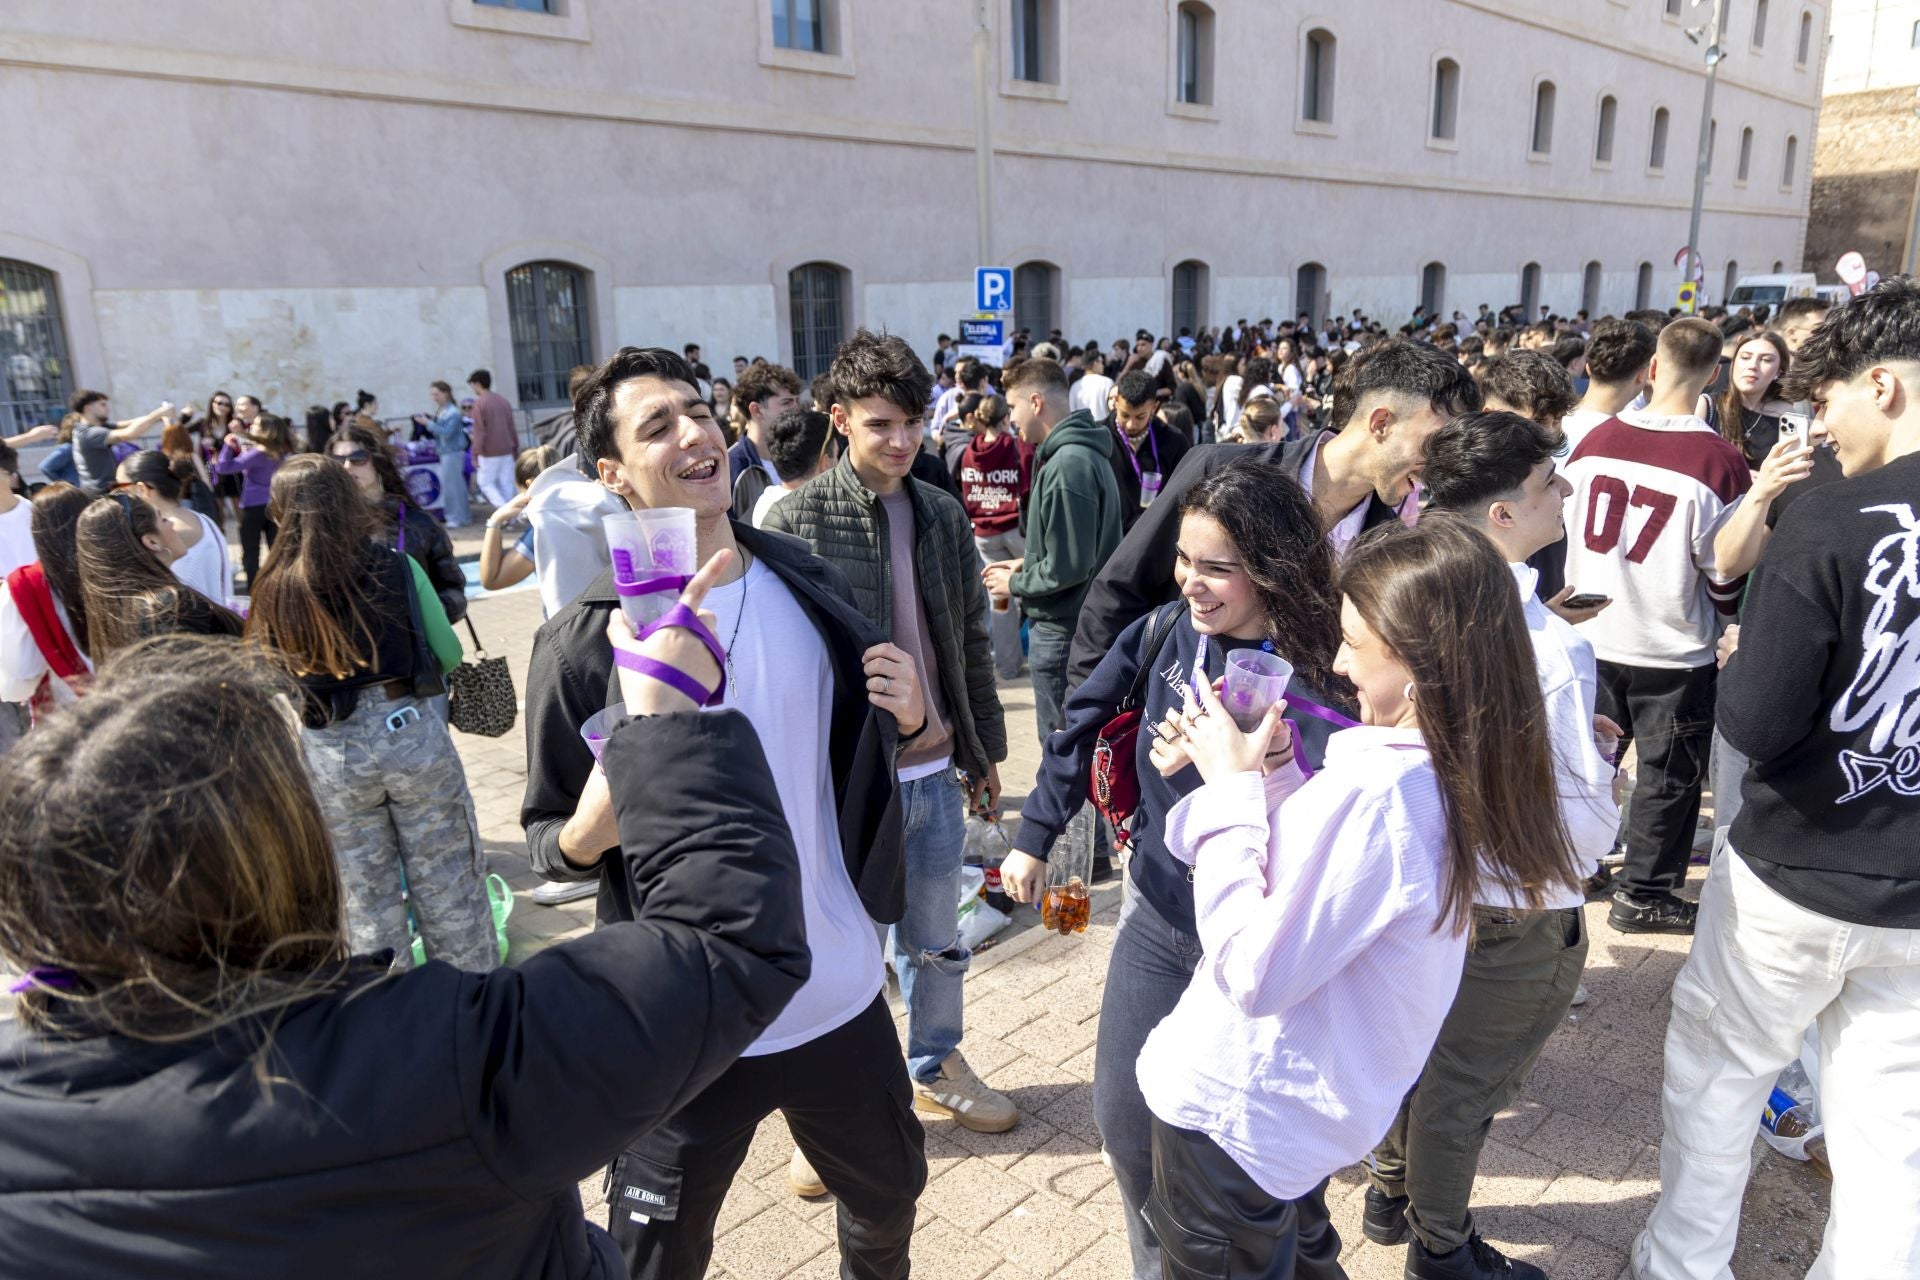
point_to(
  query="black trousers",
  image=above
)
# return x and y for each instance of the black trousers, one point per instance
(1668, 715)
(846, 1099)
(1215, 1223)
(253, 523)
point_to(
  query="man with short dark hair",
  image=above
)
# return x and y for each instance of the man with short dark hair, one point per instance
(1535, 386)
(1651, 490)
(797, 448)
(1812, 913)
(1146, 450)
(1496, 470)
(1617, 358)
(906, 548)
(1092, 392)
(496, 442)
(94, 438)
(764, 392)
(1073, 526)
(1386, 402)
(829, 697)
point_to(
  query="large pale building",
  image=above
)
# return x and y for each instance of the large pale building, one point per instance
(301, 198)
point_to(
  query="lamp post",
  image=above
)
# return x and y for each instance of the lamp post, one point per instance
(1711, 33)
(982, 132)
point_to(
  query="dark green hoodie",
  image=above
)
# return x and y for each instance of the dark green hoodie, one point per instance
(1073, 521)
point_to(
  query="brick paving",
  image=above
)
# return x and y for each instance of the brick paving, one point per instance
(1569, 1174)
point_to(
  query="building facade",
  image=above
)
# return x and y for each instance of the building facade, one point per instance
(1866, 167)
(301, 199)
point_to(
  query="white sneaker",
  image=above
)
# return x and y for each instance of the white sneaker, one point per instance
(1579, 995)
(801, 1178)
(555, 892)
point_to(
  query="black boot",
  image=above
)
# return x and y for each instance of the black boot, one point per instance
(1385, 1218)
(1474, 1260)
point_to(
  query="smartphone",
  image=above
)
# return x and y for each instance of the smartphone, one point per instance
(1798, 428)
(1585, 601)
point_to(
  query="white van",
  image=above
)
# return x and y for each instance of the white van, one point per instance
(1771, 291)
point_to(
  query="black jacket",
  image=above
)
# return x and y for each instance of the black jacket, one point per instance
(571, 677)
(428, 543)
(436, 1123)
(1160, 452)
(1139, 573)
(846, 525)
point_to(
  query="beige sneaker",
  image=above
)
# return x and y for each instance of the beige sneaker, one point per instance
(801, 1178)
(962, 1097)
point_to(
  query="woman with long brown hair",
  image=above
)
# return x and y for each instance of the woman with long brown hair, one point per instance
(213, 431)
(1750, 406)
(1333, 911)
(193, 1031)
(164, 482)
(43, 613)
(126, 551)
(1255, 572)
(358, 625)
(368, 458)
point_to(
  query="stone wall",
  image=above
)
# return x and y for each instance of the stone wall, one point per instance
(1864, 164)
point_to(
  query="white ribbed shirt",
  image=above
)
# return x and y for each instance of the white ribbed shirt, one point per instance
(1326, 972)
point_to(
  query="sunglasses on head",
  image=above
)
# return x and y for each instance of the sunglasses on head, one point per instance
(358, 458)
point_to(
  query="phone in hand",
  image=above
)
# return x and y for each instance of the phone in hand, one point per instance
(1585, 600)
(1798, 428)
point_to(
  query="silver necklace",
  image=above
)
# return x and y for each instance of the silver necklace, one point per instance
(733, 680)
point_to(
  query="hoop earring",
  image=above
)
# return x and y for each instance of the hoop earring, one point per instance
(1407, 692)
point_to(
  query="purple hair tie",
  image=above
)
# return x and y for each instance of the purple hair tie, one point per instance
(45, 975)
(686, 619)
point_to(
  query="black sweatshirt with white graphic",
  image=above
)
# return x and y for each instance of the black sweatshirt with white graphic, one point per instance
(1824, 697)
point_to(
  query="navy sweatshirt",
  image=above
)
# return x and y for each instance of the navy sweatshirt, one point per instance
(1061, 787)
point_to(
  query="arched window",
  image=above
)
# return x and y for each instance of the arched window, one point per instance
(1733, 278)
(1657, 153)
(1195, 28)
(1806, 40)
(1778, 266)
(1189, 295)
(1790, 167)
(1590, 288)
(33, 348)
(1310, 292)
(1445, 123)
(1603, 131)
(1036, 294)
(1316, 77)
(816, 296)
(1746, 154)
(1643, 287)
(1530, 291)
(552, 328)
(1759, 23)
(1543, 98)
(1433, 288)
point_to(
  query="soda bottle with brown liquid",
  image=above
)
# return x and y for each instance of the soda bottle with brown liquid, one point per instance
(1065, 907)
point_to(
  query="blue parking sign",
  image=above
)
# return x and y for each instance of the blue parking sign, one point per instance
(992, 289)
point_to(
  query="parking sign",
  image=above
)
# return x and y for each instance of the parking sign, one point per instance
(992, 289)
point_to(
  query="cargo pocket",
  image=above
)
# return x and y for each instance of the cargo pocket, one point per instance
(1185, 1254)
(1689, 1055)
(640, 1192)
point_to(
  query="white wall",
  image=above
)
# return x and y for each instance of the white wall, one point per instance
(726, 320)
(1873, 46)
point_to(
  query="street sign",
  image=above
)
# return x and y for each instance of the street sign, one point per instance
(982, 333)
(993, 289)
(1688, 297)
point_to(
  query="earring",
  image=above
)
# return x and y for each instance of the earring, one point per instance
(1407, 692)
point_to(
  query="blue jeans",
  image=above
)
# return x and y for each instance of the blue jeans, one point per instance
(452, 469)
(927, 955)
(1047, 647)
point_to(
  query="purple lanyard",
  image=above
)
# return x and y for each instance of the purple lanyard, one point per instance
(400, 522)
(1132, 459)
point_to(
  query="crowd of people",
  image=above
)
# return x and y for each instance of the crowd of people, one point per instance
(1499, 558)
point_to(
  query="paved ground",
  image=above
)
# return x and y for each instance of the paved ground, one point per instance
(1568, 1176)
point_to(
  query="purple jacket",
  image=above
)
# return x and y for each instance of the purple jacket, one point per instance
(254, 465)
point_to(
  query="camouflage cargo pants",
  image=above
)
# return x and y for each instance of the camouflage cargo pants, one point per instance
(395, 796)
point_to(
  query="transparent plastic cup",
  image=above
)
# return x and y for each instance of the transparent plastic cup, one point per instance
(594, 732)
(649, 544)
(1255, 681)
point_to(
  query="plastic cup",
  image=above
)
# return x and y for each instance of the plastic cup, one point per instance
(1255, 681)
(594, 732)
(649, 544)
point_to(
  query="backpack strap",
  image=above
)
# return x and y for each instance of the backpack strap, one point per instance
(1159, 624)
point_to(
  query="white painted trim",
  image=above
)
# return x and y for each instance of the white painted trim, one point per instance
(1054, 90)
(570, 23)
(600, 284)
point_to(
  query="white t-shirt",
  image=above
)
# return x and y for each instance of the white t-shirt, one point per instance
(784, 687)
(1577, 424)
(22, 665)
(207, 567)
(16, 537)
(1090, 393)
(569, 542)
(765, 503)
(1349, 526)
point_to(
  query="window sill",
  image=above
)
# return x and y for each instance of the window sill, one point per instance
(1315, 128)
(1539, 157)
(1656, 172)
(1603, 166)
(1033, 90)
(1787, 190)
(1449, 145)
(1194, 110)
(570, 24)
(820, 64)
(1740, 184)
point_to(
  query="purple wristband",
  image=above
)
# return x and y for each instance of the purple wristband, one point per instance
(673, 677)
(652, 586)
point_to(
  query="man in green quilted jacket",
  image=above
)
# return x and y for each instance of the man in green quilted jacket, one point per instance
(907, 549)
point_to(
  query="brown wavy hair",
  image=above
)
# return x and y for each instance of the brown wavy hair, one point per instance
(1283, 548)
(130, 594)
(55, 518)
(1443, 601)
(1733, 410)
(310, 603)
(198, 887)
